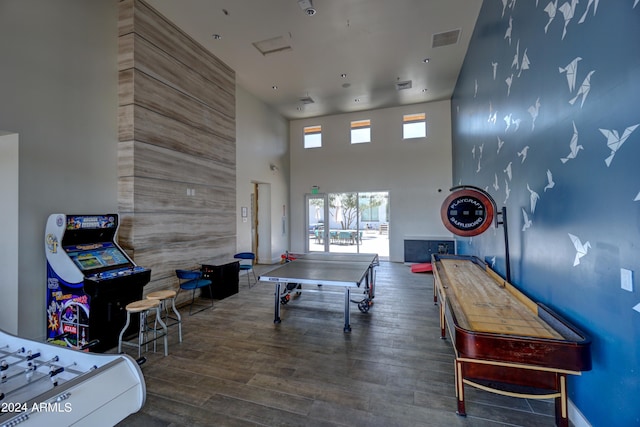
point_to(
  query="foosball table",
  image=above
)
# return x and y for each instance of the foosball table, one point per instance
(44, 384)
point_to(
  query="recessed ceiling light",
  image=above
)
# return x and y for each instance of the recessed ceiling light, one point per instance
(216, 36)
(424, 90)
(426, 60)
(343, 75)
(357, 100)
(307, 7)
(274, 87)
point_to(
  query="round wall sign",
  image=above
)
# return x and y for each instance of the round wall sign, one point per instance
(467, 212)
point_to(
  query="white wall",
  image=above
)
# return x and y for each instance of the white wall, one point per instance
(59, 89)
(9, 215)
(416, 173)
(262, 139)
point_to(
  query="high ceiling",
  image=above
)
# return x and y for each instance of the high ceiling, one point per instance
(349, 56)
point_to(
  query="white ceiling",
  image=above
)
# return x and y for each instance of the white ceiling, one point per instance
(376, 43)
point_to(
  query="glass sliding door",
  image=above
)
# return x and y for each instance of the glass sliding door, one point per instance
(317, 211)
(348, 223)
(343, 222)
(373, 230)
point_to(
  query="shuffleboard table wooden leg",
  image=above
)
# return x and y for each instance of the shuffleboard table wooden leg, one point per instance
(443, 332)
(562, 414)
(460, 388)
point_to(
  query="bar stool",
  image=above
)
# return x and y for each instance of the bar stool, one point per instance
(144, 307)
(164, 296)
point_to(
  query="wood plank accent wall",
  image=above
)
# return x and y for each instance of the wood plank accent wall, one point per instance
(176, 133)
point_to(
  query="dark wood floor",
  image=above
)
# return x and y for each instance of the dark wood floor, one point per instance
(237, 368)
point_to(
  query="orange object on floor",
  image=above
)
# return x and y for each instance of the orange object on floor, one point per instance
(421, 268)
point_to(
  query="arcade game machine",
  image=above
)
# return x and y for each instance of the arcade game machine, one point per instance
(90, 280)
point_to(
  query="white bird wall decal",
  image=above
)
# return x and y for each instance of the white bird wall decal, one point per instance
(614, 142)
(551, 10)
(581, 249)
(524, 64)
(507, 34)
(523, 153)
(509, 81)
(572, 70)
(595, 8)
(534, 111)
(516, 58)
(585, 87)
(507, 120)
(526, 223)
(573, 146)
(504, 7)
(550, 183)
(534, 197)
(507, 170)
(507, 191)
(568, 10)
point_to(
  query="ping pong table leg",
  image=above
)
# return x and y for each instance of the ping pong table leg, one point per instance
(276, 312)
(347, 299)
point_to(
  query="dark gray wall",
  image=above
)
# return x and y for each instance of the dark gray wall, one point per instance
(530, 106)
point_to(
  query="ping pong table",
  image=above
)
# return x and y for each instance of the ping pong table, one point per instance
(325, 269)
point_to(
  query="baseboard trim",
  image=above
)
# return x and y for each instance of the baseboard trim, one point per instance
(576, 416)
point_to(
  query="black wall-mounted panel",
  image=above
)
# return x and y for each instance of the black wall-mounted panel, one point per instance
(421, 250)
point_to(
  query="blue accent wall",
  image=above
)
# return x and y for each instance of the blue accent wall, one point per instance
(544, 118)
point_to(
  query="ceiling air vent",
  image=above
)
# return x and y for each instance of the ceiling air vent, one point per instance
(445, 39)
(306, 100)
(274, 45)
(403, 85)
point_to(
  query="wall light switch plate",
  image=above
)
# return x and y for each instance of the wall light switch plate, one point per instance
(626, 279)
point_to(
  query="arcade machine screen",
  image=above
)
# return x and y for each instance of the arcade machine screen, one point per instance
(95, 257)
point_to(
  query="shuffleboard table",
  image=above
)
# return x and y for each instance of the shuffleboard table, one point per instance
(504, 342)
